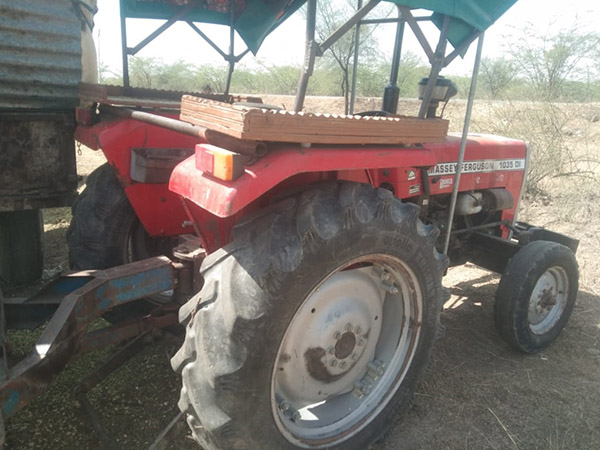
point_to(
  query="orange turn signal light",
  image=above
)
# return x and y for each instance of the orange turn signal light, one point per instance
(219, 162)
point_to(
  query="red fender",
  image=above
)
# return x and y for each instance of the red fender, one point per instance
(224, 199)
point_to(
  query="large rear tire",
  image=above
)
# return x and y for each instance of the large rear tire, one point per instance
(313, 325)
(105, 232)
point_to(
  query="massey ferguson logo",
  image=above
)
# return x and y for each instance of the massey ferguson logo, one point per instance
(488, 165)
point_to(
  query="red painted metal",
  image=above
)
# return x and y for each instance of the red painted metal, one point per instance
(158, 209)
(215, 205)
(225, 199)
(396, 166)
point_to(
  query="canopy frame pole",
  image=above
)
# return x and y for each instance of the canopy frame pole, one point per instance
(394, 20)
(231, 55)
(462, 47)
(224, 55)
(412, 23)
(194, 27)
(463, 142)
(127, 51)
(436, 66)
(310, 54)
(124, 53)
(391, 91)
(355, 61)
(351, 22)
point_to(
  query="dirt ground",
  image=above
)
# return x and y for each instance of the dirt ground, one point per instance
(479, 394)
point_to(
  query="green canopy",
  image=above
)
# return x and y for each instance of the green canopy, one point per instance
(468, 15)
(255, 19)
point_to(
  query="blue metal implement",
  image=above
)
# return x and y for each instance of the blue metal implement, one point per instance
(65, 335)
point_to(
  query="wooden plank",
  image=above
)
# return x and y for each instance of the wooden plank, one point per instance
(216, 126)
(353, 129)
(341, 140)
(284, 126)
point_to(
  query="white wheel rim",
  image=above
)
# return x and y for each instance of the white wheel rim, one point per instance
(346, 351)
(548, 300)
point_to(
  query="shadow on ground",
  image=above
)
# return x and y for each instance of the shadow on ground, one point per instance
(480, 394)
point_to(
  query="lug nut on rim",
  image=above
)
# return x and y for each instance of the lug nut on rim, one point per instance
(390, 287)
(284, 406)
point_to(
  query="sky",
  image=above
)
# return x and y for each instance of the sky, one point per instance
(279, 48)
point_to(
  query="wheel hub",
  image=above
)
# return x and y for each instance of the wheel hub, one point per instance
(346, 350)
(330, 346)
(548, 300)
(345, 346)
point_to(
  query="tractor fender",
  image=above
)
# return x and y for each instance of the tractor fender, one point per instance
(226, 198)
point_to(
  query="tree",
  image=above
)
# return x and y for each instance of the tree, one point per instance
(550, 60)
(330, 16)
(496, 75)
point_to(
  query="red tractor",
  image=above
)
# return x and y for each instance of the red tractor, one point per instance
(309, 275)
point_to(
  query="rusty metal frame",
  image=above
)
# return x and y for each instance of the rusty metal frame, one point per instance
(66, 334)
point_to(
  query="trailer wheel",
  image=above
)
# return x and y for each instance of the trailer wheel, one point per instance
(536, 295)
(105, 231)
(313, 325)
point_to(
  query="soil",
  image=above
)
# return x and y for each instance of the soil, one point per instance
(479, 394)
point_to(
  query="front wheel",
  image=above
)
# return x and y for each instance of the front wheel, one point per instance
(314, 324)
(536, 295)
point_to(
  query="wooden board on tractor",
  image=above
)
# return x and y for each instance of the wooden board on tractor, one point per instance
(259, 123)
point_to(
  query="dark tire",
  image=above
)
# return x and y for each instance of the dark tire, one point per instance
(536, 295)
(269, 292)
(105, 231)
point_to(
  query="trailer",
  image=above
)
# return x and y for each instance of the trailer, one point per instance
(302, 254)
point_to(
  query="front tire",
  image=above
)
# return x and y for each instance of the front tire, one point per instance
(536, 295)
(313, 325)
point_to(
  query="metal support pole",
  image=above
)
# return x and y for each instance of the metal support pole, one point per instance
(160, 30)
(412, 23)
(231, 56)
(436, 66)
(463, 142)
(461, 48)
(207, 39)
(355, 62)
(347, 26)
(309, 55)
(397, 51)
(251, 148)
(124, 50)
(391, 91)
